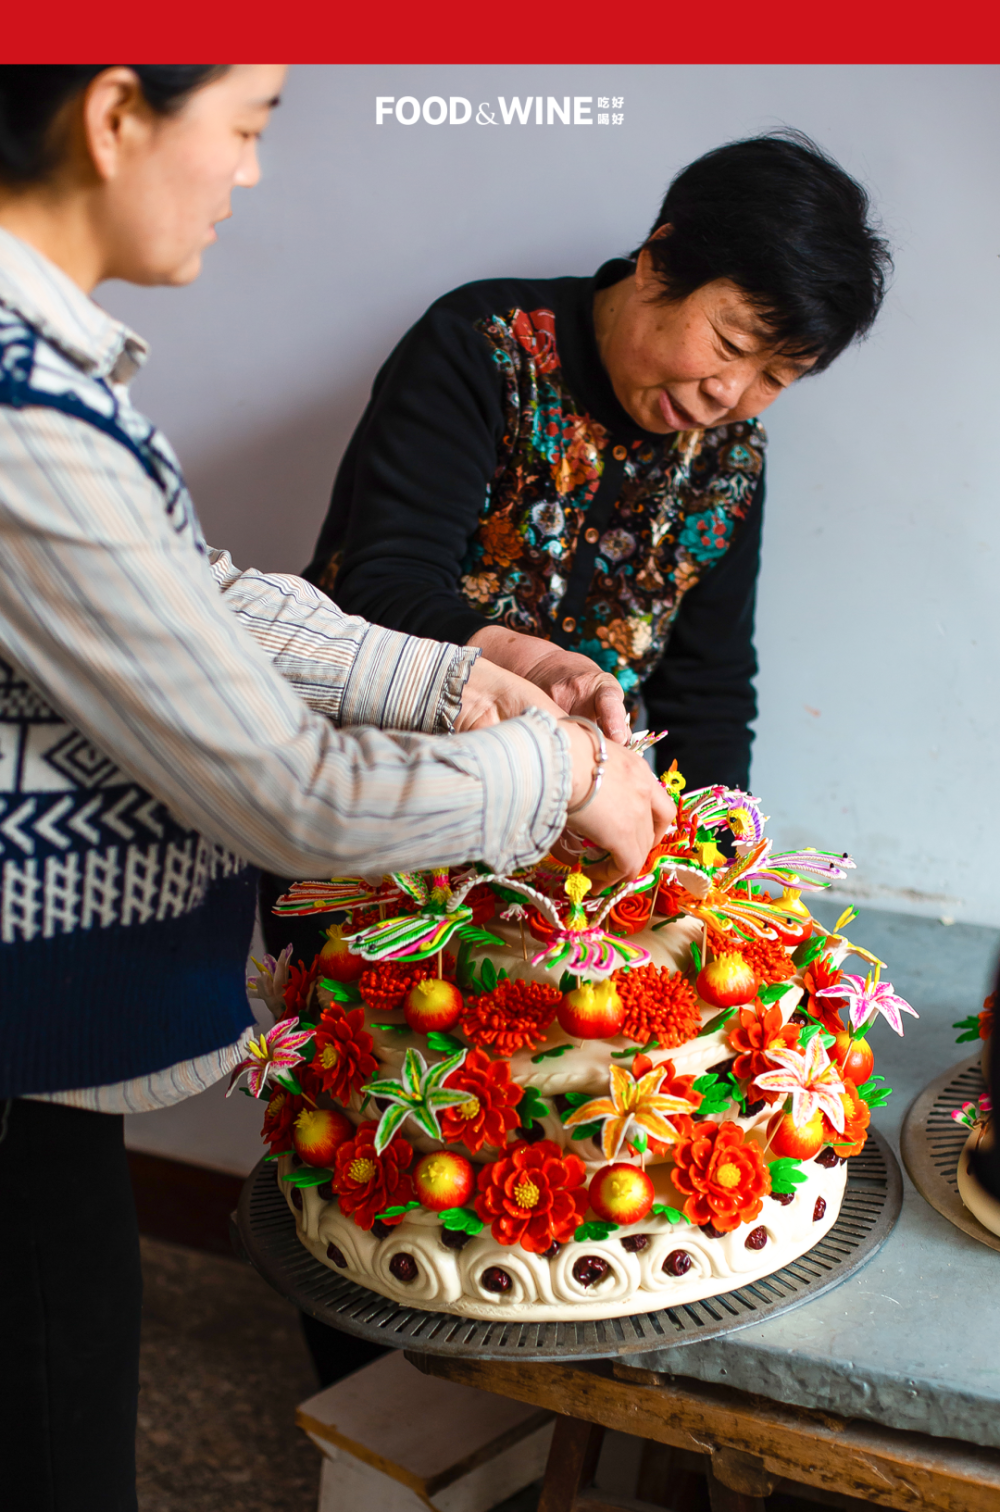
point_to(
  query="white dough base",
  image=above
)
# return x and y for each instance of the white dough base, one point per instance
(976, 1198)
(546, 1290)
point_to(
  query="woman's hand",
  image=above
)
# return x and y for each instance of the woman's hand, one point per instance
(573, 682)
(491, 694)
(630, 813)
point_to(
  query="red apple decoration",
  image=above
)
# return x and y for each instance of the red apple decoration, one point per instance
(443, 1180)
(854, 1057)
(727, 981)
(592, 1011)
(798, 1143)
(318, 1133)
(621, 1193)
(432, 1004)
(337, 960)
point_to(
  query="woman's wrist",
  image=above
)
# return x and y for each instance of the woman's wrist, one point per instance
(599, 755)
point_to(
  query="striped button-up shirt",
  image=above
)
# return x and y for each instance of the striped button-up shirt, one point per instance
(234, 697)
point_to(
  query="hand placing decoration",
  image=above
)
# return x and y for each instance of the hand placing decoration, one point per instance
(868, 997)
(810, 1078)
(275, 1052)
(633, 1104)
(419, 1095)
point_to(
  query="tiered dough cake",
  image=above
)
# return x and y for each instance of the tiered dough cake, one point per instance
(978, 1119)
(499, 1097)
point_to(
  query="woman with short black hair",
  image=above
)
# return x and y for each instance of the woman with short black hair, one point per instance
(569, 473)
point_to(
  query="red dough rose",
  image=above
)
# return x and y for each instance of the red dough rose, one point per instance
(343, 1061)
(299, 991)
(535, 1196)
(489, 1113)
(758, 1030)
(514, 1015)
(659, 1004)
(631, 914)
(724, 1176)
(365, 1183)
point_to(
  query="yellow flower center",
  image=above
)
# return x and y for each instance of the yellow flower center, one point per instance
(361, 1170)
(526, 1194)
(277, 1102)
(469, 1108)
(328, 1057)
(728, 1176)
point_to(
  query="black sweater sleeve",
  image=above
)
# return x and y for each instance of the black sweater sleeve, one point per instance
(702, 690)
(412, 484)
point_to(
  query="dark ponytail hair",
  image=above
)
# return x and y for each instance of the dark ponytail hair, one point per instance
(32, 95)
(781, 220)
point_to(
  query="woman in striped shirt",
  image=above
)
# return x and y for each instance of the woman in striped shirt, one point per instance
(168, 723)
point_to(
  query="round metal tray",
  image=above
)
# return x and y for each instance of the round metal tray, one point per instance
(269, 1241)
(932, 1141)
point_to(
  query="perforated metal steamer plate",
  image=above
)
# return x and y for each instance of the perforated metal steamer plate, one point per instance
(267, 1233)
(932, 1141)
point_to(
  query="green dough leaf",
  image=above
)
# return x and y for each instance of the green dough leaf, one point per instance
(308, 1176)
(773, 991)
(268, 1159)
(671, 1214)
(652, 1044)
(874, 1095)
(589, 1130)
(810, 1031)
(396, 1212)
(970, 1028)
(696, 956)
(444, 1044)
(342, 992)
(488, 975)
(461, 1220)
(717, 1093)
(786, 1175)
(718, 1022)
(594, 1231)
(477, 936)
(532, 1107)
(289, 1082)
(807, 952)
(551, 1054)
(567, 982)
(393, 1028)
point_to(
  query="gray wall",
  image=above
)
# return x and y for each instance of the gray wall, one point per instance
(877, 618)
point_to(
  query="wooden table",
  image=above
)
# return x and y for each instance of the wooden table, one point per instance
(884, 1392)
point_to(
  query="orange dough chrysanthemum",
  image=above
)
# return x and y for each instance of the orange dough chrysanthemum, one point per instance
(659, 1004)
(768, 958)
(513, 1016)
(723, 1176)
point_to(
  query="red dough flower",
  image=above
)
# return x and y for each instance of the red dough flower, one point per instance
(515, 1015)
(365, 1183)
(489, 1114)
(758, 1030)
(279, 1116)
(768, 958)
(723, 1175)
(659, 1004)
(343, 1061)
(631, 913)
(299, 991)
(534, 1196)
(384, 986)
(986, 1017)
(857, 1117)
(483, 902)
(817, 975)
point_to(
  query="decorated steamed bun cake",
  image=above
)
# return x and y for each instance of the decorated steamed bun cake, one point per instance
(977, 1117)
(502, 1096)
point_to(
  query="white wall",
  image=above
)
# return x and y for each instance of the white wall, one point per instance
(877, 621)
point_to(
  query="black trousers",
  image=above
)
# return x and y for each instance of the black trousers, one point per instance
(70, 1303)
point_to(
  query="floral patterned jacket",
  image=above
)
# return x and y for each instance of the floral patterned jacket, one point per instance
(495, 478)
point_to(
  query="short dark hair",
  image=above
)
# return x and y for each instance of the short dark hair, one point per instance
(780, 219)
(32, 95)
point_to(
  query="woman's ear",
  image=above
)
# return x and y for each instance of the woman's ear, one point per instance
(647, 279)
(114, 118)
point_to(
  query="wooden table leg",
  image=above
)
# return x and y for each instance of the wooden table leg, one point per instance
(576, 1446)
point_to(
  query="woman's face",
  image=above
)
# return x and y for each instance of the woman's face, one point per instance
(704, 360)
(168, 180)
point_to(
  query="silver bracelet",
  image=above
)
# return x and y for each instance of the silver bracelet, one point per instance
(600, 759)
